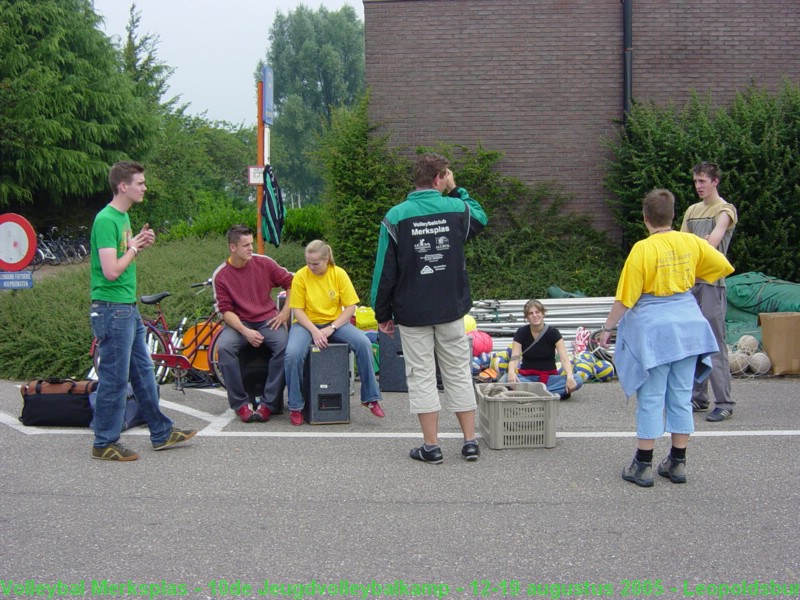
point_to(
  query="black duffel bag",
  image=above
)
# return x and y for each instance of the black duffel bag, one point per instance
(57, 402)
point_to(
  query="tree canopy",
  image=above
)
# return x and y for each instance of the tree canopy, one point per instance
(73, 102)
(317, 58)
(67, 111)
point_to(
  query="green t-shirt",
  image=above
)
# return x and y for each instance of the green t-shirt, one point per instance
(112, 229)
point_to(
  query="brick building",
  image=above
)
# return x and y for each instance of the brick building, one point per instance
(542, 80)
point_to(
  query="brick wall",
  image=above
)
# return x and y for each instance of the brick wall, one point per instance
(541, 81)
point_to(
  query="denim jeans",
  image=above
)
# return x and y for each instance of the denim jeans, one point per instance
(556, 384)
(297, 350)
(124, 355)
(667, 390)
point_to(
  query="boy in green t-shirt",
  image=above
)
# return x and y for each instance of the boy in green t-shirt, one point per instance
(117, 325)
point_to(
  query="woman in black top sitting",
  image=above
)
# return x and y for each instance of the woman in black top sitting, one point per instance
(536, 345)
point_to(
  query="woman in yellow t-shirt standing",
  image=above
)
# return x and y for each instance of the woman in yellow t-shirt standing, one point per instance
(664, 342)
(323, 301)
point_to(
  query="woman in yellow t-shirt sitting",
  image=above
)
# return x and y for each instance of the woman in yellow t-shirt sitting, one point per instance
(324, 300)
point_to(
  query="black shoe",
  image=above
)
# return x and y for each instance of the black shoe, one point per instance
(471, 451)
(640, 473)
(429, 456)
(698, 406)
(719, 414)
(674, 469)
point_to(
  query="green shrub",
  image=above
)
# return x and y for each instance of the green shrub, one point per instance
(363, 179)
(531, 242)
(756, 143)
(215, 216)
(46, 328)
(304, 224)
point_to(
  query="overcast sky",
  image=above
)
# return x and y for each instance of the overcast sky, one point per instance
(213, 45)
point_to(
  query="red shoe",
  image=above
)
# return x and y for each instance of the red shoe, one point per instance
(246, 413)
(376, 409)
(263, 413)
(296, 417)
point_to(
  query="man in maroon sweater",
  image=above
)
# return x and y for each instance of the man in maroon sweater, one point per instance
(243, 293)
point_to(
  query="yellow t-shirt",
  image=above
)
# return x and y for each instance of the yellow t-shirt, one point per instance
(668, 263)
(322, 297)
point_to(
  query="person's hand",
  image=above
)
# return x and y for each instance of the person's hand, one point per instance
(571, 383)
(603, 338)
(279, 320)
(450, 182)
(512, 376)
(320, 338)
(253, 337)
(147, 235)
(144, 239)
(387, 327)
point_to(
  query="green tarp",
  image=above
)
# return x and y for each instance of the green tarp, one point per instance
(753, 293)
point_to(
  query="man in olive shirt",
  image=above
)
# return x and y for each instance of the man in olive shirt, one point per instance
(714, 220)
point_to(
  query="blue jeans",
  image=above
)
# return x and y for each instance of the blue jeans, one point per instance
(667, 389)
(124, 355)
(297, 350)
(556, 384)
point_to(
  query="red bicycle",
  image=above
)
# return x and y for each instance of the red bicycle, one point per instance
(189, 354)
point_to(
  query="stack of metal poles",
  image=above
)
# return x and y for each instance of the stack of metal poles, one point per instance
(501, 318)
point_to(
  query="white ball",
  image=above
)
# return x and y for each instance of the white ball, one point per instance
(747, 344)
(760, 363)
(738, 363)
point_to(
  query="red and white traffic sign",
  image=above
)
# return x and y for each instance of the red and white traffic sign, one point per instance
(17, 242)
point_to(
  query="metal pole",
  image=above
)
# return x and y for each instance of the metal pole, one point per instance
(627, 43)
(260, 162)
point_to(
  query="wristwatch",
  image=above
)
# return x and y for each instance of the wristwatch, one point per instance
(332, 326)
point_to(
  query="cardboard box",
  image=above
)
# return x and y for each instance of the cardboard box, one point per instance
(780, 335)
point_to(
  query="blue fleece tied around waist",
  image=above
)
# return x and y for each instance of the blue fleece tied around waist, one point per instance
(660, 330)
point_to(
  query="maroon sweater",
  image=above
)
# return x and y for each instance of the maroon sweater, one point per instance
(247, 291)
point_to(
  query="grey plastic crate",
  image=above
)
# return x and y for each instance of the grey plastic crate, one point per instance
(514, 422)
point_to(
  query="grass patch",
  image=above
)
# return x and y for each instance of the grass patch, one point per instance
(46, 330)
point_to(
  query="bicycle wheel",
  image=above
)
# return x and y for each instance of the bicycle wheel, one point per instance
(157, 345)
(51, 256)
(595, 348)
(213, 358)
(38, 260)
(69, 253)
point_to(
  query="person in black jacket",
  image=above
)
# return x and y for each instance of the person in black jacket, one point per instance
(420, 282)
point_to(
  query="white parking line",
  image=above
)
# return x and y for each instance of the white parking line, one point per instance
(217, 422)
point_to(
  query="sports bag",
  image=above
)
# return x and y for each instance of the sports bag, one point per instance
(57, 402)
(133, 414)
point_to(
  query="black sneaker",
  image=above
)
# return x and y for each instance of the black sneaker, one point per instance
(471, 451)
(115, 451)
(698, 406)
(640, 473)
(429, 456)
(719, 414)
(674, 469)
(176, 436)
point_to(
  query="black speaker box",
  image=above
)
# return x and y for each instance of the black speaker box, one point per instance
(326, 385)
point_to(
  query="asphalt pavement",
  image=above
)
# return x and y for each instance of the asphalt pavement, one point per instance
(342, 509)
